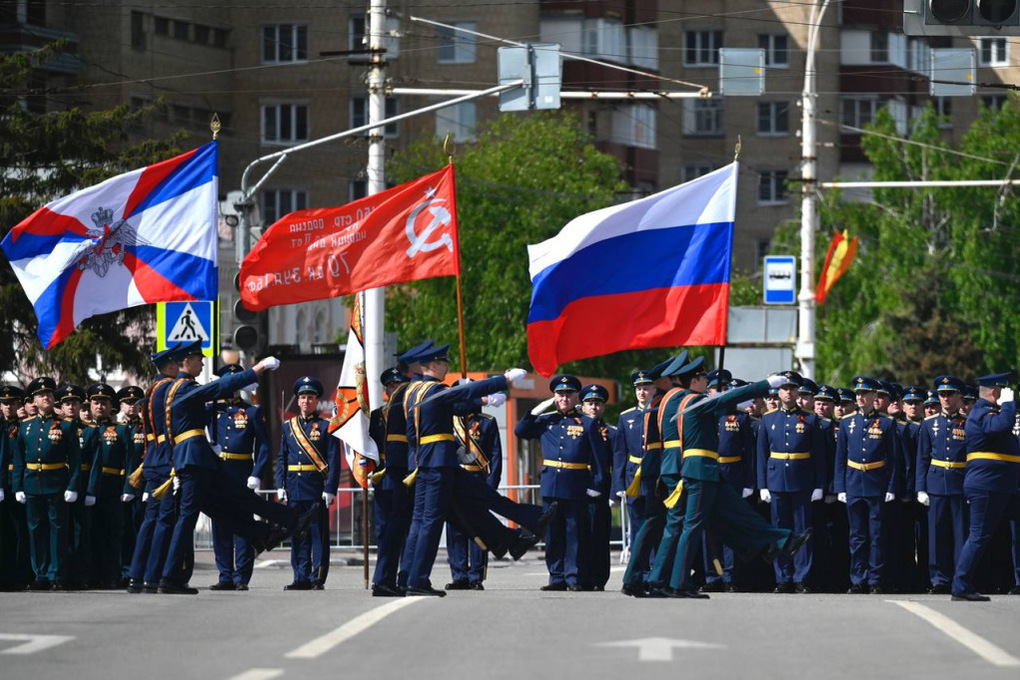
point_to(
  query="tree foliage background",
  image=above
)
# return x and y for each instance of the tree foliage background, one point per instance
(48, 150)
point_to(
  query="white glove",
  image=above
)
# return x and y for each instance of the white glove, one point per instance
(20, 496)
(328, 497)
(177, 484)
(890, 497)
(512, 375)
(765, 495)
(746, 493)
(494, 400)
(127, 497)
(281, 494)
(145, 496)
(621, 494)
(592, 493)
(89, 501)
(543, 406)
(270, 363)
(254, 482)
(1, 495)
(922, 498)
(841, 497)
(816, 495)
(70, 496)
(776, 380)
(1006, 395)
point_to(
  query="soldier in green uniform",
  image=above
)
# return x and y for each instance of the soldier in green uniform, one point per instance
(15, 566)
(70, 399)
(45, 478)
(134, 509)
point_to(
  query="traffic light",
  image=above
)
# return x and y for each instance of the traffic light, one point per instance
(249, 333)
(961, 17)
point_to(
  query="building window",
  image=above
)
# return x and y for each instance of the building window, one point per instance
(202, 34)
(284, 43)
(994, 51)
(161, 26)
(703, 117)
(701, 48)
(772, 186)
(284, 123)
(219, 36)
(279, 202)
(458, 120)
(634, 126)
(858, 112)
(993, 101)
(689, 172)
(643, 47)
(357, 32)
(359, 114)
(944, 109)
(137, 31)
(182, 30)
(358, 188)
(456, 47)
(776, 51)
(773, 118)
(879, 47)
(761, 250)
(604, 38)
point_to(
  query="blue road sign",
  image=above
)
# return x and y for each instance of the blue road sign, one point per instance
(780, 280)
(187, 322)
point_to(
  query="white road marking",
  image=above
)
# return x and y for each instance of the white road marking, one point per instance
(323, 644)
(657, 648)
(972, 641)
(258, 674)
(33, 643)
(267, 563)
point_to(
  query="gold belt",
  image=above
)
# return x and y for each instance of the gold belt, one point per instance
(866, 466)
(726, 460)
(226, 455)
(473, 468)
(396, 438)
(184, 436)
(85, 467)
(671, 444)
(302, 468)
(432, 438)
(159, 440)
(47, 467)
(634, 459)
(654, 446)
(951, 464)
(565, 465)
(789, 456)
(701, 453)
(113, 471)
(1001, 457)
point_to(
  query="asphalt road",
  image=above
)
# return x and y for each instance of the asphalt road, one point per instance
(511, 630)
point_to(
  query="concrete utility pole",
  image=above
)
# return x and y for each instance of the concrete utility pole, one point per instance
(375, 299)
(805, 350)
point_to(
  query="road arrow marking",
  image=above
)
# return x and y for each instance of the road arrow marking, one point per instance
(33, 643)
(659, 649)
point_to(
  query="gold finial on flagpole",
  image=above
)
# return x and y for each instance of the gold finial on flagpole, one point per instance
(215, 126)
(449, 146)
(736, 150)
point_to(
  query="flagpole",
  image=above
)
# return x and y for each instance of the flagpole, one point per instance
(447, 143)
(364, 489)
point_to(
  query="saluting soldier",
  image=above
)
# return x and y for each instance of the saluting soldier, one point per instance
(866, 458)
(239, 431)
(134, 509)
(938, 479)
(307, 477)
(791, 475)
(573, 453)
(111, 450)
(47, 453)
(15, 564)
(628, 452)
(600, 516)
(991, 480)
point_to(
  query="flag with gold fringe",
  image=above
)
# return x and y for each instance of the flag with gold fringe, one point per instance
(837, 262)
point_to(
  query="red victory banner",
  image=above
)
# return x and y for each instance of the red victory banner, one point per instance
(402, 234)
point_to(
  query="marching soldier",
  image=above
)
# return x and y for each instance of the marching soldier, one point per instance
(307, 477)
(792, 475)
(239, 431)
(600, 516)
(110, 448)
(390, 497)
(47, 454)
(573, 451)
(866, 458)
(15, 564)
(991, 479)
(628, 451)
(134, 509)
(939, 474)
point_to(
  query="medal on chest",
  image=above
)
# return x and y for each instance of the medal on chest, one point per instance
(240, 420)
(851, 426)
(314, 434)
(110, 435)
(575, 431)
(55, 435)
(875, 431)
(732, 424)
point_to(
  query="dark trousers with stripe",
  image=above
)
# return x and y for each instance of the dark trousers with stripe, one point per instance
(646, 541)
(947, 532)
(792, 510)
(987, 510)
(600, 525)
(432, 494)
(164, 512)
(107, 531)
(468, 562)
(393, 508)
(79, 567)
(867, 544)
(566, 542)
(235, 558)
(309, 553)
(665, 553)
(47, 534)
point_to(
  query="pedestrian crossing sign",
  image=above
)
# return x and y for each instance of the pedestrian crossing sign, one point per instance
(187, 322)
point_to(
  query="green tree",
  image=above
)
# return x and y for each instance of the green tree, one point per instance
(45, 155)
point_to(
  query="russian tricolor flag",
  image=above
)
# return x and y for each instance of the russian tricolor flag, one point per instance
(650, 273)
(145, 236)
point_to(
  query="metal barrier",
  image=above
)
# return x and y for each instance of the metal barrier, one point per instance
(346, 525)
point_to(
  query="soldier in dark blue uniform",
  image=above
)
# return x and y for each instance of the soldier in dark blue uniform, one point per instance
(307, 477)
(390, 497)
(931, 404)
(909, 558)
(574, 451)
(239, 434)
(15, 564)
(970, 397)
(628, 450)
(866, 458)
(478, 435)
(47, 453)
(832, 530)
(938, 480)
(110, 448)
(791, 476)
(600, 516)
(134, 509)
(991, 479)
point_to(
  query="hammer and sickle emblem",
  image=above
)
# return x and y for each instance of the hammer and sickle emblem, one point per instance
(440, 217)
